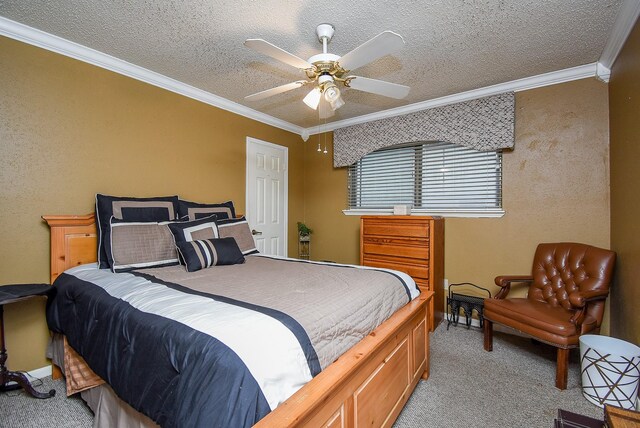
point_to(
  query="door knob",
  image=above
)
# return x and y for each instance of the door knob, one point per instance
(255, 232)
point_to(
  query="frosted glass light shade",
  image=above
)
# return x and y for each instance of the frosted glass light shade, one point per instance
(313, 98)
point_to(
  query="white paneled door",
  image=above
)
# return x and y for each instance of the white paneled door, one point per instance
(267, 194)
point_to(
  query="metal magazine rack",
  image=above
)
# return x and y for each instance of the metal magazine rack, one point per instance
(457, 301)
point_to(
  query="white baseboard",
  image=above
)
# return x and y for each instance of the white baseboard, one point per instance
(36, 374)
(41, 372)
(462, 320)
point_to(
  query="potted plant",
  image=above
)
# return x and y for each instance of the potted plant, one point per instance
(304, 232)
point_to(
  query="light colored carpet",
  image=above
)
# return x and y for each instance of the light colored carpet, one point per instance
(513, 386)
(17, 409)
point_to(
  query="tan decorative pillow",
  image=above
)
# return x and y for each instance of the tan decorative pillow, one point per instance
(138, 245)
(238, 228)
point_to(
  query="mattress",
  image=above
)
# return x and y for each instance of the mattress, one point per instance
(221, 346)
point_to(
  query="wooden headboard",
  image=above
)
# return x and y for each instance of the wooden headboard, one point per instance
(74, 241)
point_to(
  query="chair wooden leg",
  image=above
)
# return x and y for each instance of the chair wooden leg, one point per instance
(488, 335)
(562, 368)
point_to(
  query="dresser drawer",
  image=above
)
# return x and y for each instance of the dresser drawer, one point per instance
(404, 228)
(396, 240)
(398, 248)
(414, 270)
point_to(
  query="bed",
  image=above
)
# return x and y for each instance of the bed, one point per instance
(365, 386)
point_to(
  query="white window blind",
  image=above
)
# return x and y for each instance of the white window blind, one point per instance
(429, 176)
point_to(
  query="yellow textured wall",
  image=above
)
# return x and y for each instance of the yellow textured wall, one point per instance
(70, 130)
(555, 185)
(335, 237)
(624, 107)
(556, 188)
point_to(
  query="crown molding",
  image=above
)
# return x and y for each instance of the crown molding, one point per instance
(624, 23)
(41, 39)
(603, 73)
(626, 19)
(546, 79)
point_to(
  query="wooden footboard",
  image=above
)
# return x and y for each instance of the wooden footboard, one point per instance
(369, 384)
(366, 386)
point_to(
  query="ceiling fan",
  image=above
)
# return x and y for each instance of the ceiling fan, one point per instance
(328, 71)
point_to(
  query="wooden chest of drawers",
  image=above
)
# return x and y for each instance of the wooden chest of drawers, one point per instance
(411, 244)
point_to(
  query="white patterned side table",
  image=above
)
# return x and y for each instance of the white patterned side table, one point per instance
(610, 371)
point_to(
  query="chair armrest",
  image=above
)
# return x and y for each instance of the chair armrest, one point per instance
(504, 282)
(580, 298)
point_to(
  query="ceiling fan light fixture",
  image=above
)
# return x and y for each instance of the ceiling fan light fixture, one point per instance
(335, 105)
(326, 70)
(313, 98)
(331, 92)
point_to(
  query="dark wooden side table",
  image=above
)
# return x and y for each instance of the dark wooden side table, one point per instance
(11, 294)
(568, 419)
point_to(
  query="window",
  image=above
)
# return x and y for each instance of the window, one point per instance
(432, 177)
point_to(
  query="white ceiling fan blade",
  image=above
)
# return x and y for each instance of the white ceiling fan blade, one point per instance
(273, 51)
(274, 91)
(379, 87)
(324, 109)
(383, 44)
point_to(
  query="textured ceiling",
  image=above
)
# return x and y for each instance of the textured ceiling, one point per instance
(451, 45)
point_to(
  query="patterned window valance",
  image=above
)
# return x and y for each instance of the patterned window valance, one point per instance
(483, 124)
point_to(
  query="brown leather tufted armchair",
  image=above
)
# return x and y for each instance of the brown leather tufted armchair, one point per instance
(568, 288)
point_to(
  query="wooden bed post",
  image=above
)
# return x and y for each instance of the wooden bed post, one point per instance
(73, 242)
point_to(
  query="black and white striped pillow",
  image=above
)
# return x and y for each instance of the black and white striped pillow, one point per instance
(209, 252)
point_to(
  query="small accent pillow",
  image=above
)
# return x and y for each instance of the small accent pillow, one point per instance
(138, 245)
(164, 208)
(206, 253)
(238, 228)
(195, 230)
(193, 210)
